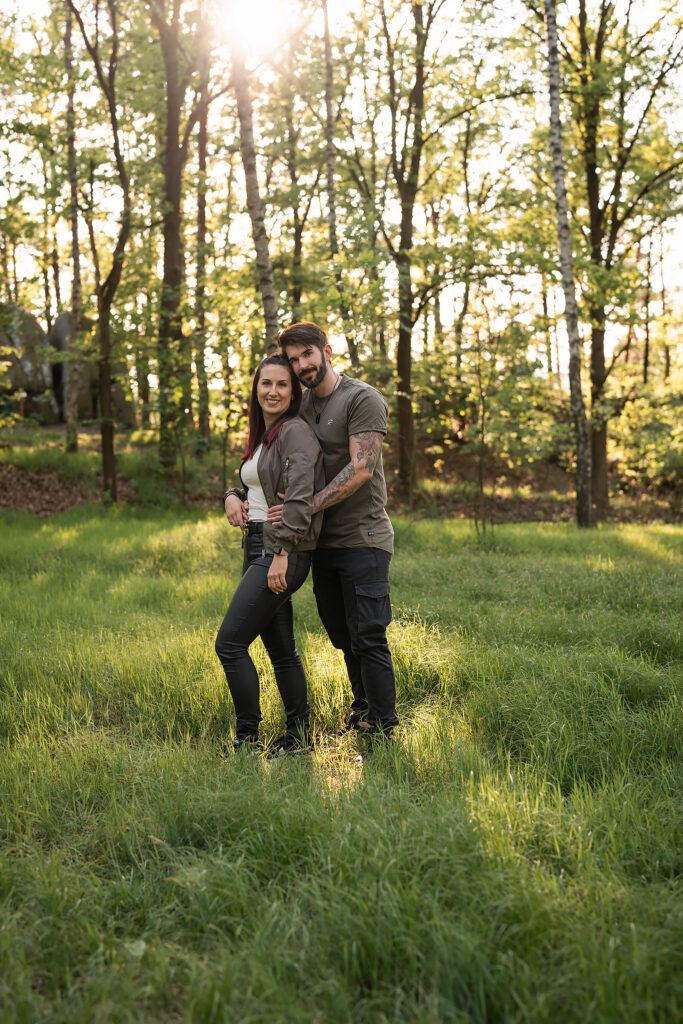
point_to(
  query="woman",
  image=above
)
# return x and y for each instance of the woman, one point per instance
(282, 455)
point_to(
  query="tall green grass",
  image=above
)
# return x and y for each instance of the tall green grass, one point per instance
(515, 855)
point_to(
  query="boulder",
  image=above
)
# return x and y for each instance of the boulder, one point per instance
(36, 367)
(25, 363)
(88, 386)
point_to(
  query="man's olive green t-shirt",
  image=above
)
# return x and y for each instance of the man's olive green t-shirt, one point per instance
(359, 521)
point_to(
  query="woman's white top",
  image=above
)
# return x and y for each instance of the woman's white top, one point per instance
(258, 507)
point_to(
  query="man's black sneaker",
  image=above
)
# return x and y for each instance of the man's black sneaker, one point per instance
(289, 744)
(249, 744)
(375, 730)
(352, 722)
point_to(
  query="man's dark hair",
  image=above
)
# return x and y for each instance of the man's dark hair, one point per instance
(303, 333)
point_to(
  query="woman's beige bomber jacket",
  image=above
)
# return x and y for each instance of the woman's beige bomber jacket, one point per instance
(293, 466)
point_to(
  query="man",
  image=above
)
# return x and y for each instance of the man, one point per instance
(351, 561)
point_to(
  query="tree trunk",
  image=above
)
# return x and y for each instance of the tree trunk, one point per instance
(298, 217)
(406, 171)
(54, 260)
(73, 366)
(590, 108)
(481, 514)
(404, 401)
(105, 296)
(665, 312)
(459, 326)
(227, 385)
(436, 302)
(598, 374)
(375, 210)
(15, 278)
(254, 202)
(106, 404)
(47, 299)
(4, 266)
(583, 454)
(344, 311)
(297, 265)
(200, 309)
(546, 327)
(107, 290)
(627, 346)
(170, 328)
(142, 376)
(438, 321)
(45, 258)
(648, 292)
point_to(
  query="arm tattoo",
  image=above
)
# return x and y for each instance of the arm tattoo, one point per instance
(367, 451)
(336, 490)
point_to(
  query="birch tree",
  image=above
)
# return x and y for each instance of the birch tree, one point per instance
(621, 61)
(583, 496)
(240, 80)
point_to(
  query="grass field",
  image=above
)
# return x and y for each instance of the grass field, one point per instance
(515, 855)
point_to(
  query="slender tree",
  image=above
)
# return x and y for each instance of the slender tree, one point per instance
(344, 310)
(106, 71)
(73, 379)
(200, 292)
(298, 157)
(174, 155)
(406, 158)
(583, 456)
(646, 304)
(240, 80)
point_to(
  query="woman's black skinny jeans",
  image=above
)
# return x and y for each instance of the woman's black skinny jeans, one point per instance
(255, 610)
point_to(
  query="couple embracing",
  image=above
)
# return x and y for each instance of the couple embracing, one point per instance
(313, 493)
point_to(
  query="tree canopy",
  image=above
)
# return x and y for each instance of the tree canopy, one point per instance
(383, 168)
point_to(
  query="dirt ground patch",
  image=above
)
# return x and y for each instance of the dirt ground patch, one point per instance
(42, 494)
(46, 494)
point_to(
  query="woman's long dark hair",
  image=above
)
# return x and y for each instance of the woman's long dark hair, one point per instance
(257, 424)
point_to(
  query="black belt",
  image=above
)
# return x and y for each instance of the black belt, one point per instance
(252, 529)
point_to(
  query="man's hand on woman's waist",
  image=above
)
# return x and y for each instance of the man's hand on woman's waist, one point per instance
(275, 511)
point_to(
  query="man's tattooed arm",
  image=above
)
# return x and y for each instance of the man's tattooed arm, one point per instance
(365, 450)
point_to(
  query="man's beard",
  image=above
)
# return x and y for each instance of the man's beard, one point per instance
(312, 382)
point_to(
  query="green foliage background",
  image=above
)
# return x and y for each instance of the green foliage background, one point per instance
(483, 255)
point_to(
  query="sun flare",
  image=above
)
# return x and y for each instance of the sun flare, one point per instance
(258, 26)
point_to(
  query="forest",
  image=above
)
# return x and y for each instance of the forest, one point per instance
(182, 179)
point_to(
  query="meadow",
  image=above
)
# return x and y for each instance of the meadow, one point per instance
(513, 856)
